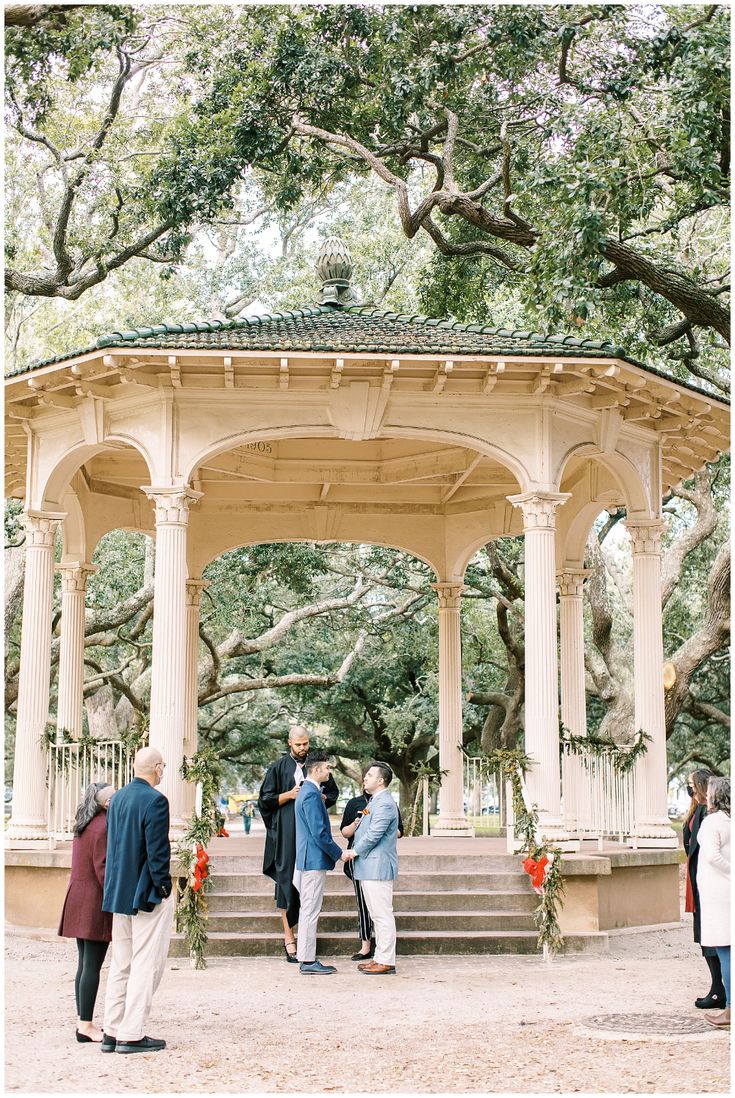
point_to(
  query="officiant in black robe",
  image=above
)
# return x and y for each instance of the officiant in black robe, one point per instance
(276, 804)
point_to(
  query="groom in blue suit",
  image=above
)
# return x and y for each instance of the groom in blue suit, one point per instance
(316, 853)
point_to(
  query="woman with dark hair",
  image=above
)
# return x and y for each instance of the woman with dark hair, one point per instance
(82, 916)
(713, 881)
(697, 789)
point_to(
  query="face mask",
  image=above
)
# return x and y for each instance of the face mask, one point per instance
(690, 791)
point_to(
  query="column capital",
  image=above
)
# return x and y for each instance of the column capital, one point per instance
(571, 581)
(449, 594)
(172, 503)
(539, 508)
(41, 527)
(194, 589)
(645, 535)
(74, 575)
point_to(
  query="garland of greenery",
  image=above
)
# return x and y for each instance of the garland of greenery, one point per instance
(623, 758)
(542, 861)
(192, 914)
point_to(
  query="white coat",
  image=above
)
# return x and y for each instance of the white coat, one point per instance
(713, 879)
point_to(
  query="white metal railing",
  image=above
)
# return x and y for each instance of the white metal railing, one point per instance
(487, 802)
(598, 800)
(71, 768)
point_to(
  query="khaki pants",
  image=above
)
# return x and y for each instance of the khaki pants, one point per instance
(379, 899)
(311, 890)
(139, 951)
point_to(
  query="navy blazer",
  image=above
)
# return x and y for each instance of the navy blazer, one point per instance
(138, 869)
(315, 847)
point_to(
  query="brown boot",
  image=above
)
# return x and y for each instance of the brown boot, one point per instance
(721, 1020)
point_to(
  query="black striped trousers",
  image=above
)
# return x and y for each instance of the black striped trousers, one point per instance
(363, 915)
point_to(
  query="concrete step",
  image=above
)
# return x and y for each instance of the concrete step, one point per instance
(409, 943)
(459, 900)
(331, 922)
(254, 883)
(414, 863)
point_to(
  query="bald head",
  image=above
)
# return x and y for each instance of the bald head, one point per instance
(298, 742)
(148, 764)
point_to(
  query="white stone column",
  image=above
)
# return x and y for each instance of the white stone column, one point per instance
(194, 590)
(575, 778)
(168, 720)
(71, 652)
(652, 827)
(28, 819)
(541, 704)
(452, 819)
(571, 644)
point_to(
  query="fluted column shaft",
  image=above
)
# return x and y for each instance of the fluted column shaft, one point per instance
(168, 719)
(451, 796)
(541, 704)
(28, 820)
(194, 590)
(571, 638)
(70, 705)
(652, 825)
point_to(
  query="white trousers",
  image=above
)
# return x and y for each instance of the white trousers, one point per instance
(138, 958)
(311, 891)
(379, 899)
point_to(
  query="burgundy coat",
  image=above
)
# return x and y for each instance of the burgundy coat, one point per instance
(82, 915)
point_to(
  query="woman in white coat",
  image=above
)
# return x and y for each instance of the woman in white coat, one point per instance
(713, 881)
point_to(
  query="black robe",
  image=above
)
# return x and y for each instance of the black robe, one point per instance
(279, 857)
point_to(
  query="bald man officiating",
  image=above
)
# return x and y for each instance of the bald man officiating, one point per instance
(138, 892)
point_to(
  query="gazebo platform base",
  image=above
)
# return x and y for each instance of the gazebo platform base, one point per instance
(452, 896)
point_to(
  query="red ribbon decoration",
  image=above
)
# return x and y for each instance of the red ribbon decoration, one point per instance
(200, 868)
(536, 871)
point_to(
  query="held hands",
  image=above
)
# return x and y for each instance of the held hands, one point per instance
(347, 856)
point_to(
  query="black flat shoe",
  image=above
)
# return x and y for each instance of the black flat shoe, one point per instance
(84, 1039)
(363, 956)
(290, 957)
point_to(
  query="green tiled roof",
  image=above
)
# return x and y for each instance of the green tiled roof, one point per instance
(357, 328)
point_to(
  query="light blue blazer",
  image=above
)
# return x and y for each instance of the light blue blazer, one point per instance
(376, 840)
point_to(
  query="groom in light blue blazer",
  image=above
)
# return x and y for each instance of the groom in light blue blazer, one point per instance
(376, 866)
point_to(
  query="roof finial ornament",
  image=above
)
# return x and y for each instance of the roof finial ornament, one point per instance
(334, 268)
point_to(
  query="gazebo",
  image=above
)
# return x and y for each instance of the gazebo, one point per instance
(339, 422)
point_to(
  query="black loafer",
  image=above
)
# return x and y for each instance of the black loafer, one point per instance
(108, 1043)
(363, 956)
(145, 1044)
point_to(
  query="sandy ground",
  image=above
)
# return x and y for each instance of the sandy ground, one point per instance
(453, 1024)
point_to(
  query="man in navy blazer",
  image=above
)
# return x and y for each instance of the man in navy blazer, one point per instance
(316, 853)
(138, 892)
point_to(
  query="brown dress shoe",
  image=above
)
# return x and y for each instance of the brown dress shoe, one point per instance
(721, 1020)
(375, 969)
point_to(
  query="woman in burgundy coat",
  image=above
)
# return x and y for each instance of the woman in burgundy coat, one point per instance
(82, 916)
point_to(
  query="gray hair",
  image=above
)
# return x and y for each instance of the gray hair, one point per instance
(718, 795)
(89, 806)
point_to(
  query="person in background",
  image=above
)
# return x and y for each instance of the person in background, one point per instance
(247, 812)
(353, 813)
(713, 881)
(697, 790)
(82, 916)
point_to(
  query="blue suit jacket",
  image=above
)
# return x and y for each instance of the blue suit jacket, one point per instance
(315, 847)
(376, 841)
(138, 868)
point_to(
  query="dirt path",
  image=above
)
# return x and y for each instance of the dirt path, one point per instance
(453, 1024)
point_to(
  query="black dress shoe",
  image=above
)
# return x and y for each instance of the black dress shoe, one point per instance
(108, 1043)
(145, 1044)
(711, 1001)
(290, 957)
(364, 956)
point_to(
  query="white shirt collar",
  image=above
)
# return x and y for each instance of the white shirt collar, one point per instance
(313, 782)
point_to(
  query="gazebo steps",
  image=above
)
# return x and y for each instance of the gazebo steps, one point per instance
(336, 922)
(403, 901)
(252, 883)
(414, 942)
(222, 862)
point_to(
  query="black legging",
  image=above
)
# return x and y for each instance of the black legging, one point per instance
(91, 956)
